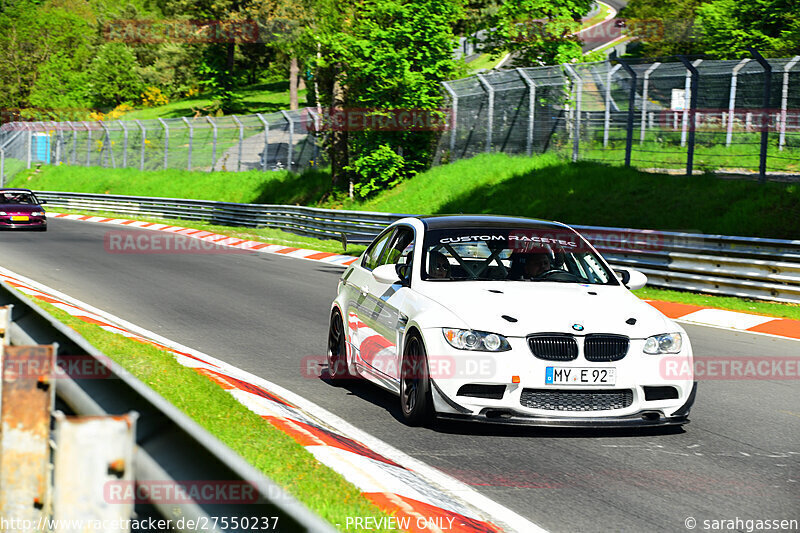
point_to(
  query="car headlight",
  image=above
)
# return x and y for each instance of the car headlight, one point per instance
(3, 213)
(664, 343)
(38, 214)
(482, 341)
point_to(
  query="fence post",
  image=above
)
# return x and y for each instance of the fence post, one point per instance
(732, 99)
(694, 76)
(291, 140)
(30, 142)
(214, 145)
(453, 121)
(762, 162)
(191, 140)
(490, 119)
(578, 88)
(88, 143)
(531, 108)
(74, 143)
(124, 144)
(784, 98)
(315, 117)
(645, 87)
(144, 138)
(689, 85)
(2, 167)
(166, 141)
(241, 141)
(107, 145)
(59, 139)
(266, 140)
(607, 118)
(631, 111)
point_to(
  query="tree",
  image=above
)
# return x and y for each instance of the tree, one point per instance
(376, 59)
(730, 26)
(114, 75)
(664, 27)
(536, 32)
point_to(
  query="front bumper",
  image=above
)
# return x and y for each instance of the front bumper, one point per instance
(35, 223)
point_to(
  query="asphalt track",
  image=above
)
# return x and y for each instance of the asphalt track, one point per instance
(738, 458)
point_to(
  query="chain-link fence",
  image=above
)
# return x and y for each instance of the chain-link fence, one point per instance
(738, 116)
(275, 141)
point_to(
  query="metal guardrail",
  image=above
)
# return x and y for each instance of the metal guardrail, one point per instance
(751, 267)
(170, 447)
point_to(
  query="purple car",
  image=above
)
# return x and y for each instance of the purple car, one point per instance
(20, 209)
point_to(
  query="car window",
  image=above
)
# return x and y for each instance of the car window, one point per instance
(400, 246)
(23, 198)
(373, 254)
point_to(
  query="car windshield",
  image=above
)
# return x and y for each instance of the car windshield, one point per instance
(17, 197)
(512, 254)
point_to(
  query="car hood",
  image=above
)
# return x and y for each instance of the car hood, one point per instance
(22, 209)
(541, 307)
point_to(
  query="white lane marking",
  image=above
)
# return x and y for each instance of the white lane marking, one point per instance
(498, 514)
(728, 319)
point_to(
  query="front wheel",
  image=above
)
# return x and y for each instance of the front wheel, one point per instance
(416, 401)
(337, 350)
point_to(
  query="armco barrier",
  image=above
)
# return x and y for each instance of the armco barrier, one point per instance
(170, 447)
(766, 269)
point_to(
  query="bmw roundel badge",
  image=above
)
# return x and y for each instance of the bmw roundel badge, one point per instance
(577, 327)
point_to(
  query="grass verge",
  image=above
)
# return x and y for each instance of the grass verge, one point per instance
(731, 303)
(268, 449)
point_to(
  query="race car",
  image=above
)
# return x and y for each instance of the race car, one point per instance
(506, 320)
(20, 209)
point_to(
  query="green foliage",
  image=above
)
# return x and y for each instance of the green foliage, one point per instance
(114, 75)
(536, 32)
(60, 87)
(770, 26)
(218, 82)
(377, 169)
(665, 27)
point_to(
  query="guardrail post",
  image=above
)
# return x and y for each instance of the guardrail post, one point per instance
(291, 140)
(762, 160)
(531, 109)
(693, 76)
(191, 140)
(578, 90)
(607, 118)
(645, 87)
(732, 99)
(784, 99)
(144, 139)
(453, 119)
(266, 140)
(490, 117)
(214, 145)
(27, 398)
(241, 141)
(88, 143)
(166, 141)
(124, 144)
(631, 111)
(81, 488)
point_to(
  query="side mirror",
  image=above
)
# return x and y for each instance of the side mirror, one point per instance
(42, 202)
(386, 274)
(632, 279)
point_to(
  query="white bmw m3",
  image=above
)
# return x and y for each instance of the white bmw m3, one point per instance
(506, 320)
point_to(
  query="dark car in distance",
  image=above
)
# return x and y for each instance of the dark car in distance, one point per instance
(20, 209)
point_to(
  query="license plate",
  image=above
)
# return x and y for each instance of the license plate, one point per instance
(560, 375)
(19, 218)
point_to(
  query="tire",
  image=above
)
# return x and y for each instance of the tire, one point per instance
(416, 402)
(337, 350)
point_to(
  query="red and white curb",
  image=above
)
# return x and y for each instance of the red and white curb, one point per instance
(419, 497)
(693, 314)
(218, 239)
(721, 318)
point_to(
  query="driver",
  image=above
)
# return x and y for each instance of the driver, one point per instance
(537, 264)
(438, 265)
